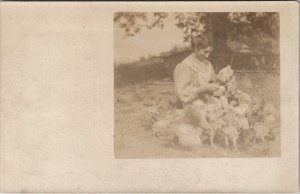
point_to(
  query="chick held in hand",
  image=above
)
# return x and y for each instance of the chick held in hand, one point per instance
(225, 74)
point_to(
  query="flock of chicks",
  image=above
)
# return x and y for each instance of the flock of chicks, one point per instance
(230, 112)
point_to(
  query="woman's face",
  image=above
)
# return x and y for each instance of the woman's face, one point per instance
(202, 54)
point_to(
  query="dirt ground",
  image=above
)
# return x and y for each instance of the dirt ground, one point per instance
(135, 104)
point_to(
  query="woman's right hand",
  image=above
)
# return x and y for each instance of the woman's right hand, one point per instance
(211, 87)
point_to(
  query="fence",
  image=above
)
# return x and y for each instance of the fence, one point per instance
(248, 62)
(164, 68)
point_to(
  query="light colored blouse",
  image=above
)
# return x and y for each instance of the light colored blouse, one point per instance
(191, 74)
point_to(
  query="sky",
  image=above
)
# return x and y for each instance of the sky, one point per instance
(153, 42)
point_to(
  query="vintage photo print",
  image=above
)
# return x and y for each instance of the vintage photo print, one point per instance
(149, 97)
(196, 84)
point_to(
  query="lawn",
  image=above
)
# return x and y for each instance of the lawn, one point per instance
(136, 103)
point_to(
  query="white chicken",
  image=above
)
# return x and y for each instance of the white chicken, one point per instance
(243, 123)
(214, 113)
(242, 109)
(230, 129)
(261, 132)
(160, 125)
(242, 97)
(189, 136)
(270, 121)
(231, 133)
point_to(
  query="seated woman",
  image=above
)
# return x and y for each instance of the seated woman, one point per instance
(194, 78)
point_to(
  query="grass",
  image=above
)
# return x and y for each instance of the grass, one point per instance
(133, 117)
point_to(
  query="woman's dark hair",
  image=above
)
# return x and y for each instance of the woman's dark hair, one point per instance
(200, 42)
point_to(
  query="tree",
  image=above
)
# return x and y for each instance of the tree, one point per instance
(259, 30)
(132, 23)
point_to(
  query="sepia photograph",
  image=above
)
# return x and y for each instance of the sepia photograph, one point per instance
(149, 97)
(196, 84)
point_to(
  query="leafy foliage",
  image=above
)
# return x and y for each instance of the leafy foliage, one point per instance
(133, 22)
(259, 30)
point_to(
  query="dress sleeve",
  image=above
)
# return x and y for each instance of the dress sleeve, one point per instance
(212, 69)
(183, 84)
